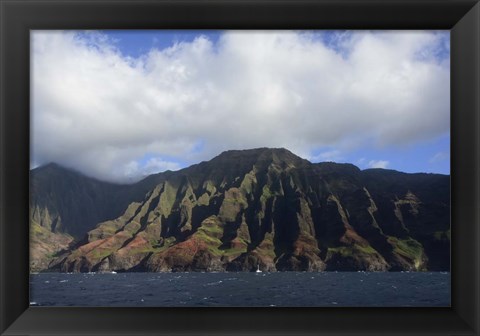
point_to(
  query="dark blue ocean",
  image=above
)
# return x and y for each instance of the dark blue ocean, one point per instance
(282, 289)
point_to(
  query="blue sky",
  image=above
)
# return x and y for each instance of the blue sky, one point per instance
(155, 99)
(134, 43)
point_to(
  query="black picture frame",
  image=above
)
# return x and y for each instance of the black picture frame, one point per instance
(18, 17)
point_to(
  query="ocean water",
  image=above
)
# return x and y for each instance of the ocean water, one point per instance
(282, 289)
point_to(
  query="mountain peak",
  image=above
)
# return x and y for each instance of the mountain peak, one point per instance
(255, 151)
(261, 156)
(244, 210)
(50, 167)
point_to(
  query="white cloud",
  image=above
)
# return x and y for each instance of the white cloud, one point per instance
(133, 169)
(98, 111)
(378, 164)
(438, 157)
(154, 165)
(361, 161)
(333, 155)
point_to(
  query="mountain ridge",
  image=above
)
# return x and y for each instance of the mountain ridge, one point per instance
(271, 209)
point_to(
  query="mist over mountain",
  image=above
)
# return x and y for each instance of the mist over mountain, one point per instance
(244, 209)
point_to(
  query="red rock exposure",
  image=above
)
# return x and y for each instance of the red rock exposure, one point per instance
(261, 209)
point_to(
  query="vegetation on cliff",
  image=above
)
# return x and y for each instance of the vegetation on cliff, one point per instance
(262, 208)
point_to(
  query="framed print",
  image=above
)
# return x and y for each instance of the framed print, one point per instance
(176, 168)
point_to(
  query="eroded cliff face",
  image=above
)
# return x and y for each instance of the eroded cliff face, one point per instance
(65, 205)
(45, 246)
(269, 209)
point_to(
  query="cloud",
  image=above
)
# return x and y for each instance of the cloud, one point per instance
(361, 161)
(100, 112)
(378, 164)
(154, 165)
(333, 155)
(134, 169)
(439, 157)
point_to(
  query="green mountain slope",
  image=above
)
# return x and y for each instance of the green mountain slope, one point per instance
(64, 205)
(263, 208)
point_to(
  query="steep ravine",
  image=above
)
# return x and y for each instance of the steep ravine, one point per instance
(269, 209)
